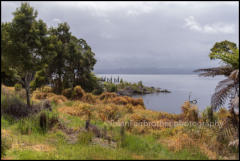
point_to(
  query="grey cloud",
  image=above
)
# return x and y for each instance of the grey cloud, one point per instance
(142, 34)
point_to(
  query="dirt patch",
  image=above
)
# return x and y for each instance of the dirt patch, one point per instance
(37, 147)
(104, 143)
(42, 147)
(135, 156)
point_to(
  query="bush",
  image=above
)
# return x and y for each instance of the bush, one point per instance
(58, 99)
(43, 122)
(139, 118)
(120, 100)
(107, 95)
(38, 123)
(189, 112)
(89, 98)
(25, 126)
(47, 89)
(39, 95)
(5, 145)
(85, 137)
(98, 91)
(17, 87)
(110, 112)
(136, 101)
(222, 114)
(78, 92)
(14, 106)
(207, 116)
(67, 93)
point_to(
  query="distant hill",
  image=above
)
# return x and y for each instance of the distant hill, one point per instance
(144, 71)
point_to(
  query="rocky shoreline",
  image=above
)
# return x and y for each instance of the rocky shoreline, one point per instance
(145, 90)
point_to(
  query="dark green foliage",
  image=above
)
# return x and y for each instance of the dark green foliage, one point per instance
(17, 87)
(110, 87)
(38, 123)
(14, 106)
(45, 56)
(209, 115)
(68, 93)
(40, 79)
(122, 136)
(43, 122)
(5, 145)
(26, 35)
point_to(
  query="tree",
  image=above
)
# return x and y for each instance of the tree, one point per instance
(60, 38)
(228, 53)
(41, 78)
(24, 45)
(84, 65)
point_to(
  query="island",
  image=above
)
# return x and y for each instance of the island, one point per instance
(125, 88)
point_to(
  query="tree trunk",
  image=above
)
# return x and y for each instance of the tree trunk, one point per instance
(28, 97)
(28, 78)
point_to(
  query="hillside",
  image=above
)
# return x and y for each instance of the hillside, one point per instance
(63, 134)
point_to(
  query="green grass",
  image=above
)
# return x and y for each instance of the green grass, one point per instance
(133, 146)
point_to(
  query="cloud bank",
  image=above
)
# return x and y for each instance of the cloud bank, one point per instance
(144, 35)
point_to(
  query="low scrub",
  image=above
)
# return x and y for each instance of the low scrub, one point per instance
(189, 112)
(75, 94)
(107, 95)
(17, 87)
(14, 106)
(89, 98)
(38, 123)
(5, 145)
(78, 92)
(85, 137)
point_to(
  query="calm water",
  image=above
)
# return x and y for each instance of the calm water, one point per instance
(201, 89)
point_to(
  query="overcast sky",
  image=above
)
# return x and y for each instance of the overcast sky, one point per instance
(144, 34)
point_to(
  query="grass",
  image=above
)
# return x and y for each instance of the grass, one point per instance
(28, 141)
(135, 146)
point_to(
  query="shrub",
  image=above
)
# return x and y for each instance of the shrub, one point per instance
(107, 95)
(5, 145)
(85, 137)
(52, 119)
(110, 112)
(137, 101)
(180, 141)
(58, 99)
(67, 93)
(43, 122)
(25, 126)
(7, 90)
(223, 114)
(78, 92)
(189, 112)
(17, 87)
(46, 89)
(120, 100)
(38, 123)
(89, 97)
(14, 106)
(139, 118)
(39, 95)
(110, 87)
(98, 91)
(207, 116)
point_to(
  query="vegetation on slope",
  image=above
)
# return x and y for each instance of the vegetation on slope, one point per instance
(65, 136)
